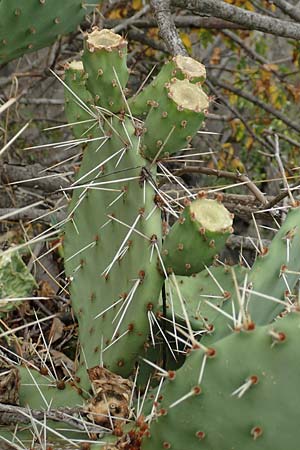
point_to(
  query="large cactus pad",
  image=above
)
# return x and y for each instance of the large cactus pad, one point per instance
(26, 26)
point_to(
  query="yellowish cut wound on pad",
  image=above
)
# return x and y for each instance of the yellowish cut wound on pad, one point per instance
(212, 216)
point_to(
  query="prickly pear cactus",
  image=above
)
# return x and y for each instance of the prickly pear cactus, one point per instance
(268, 287)
(113, 233)
(45, 390)
(197, 236)
(113, 228)
(240, 394)
(33, 24)
(231, 391)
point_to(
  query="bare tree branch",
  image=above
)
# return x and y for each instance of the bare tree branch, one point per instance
(167, 27)
(180, 22)
(142, 37)
(235, 111)
(252, 53)
(127, 22)
(256, 101)
(11, 414)
(13, 173)
(280, 197)
(287, 8)
(38, 214)
(236, 242)
(248, 19)
(284, 137)
(241, 42)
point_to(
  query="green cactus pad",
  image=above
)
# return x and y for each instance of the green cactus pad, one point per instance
(270, 281)
(276, 271)
(27, 387)
(240, 395)
(26, 26)
(110, 250)
(36, 391)
(176, 118)
(181, 67)
(78, 100)
(39, 391)
(214, 285)
(104, 61)
(197, 236)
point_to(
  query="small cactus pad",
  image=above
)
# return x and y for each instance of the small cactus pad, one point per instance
(241, 394)
(104, 60)
(26, 26)
(197, 236)
(276, 270)
(39, 391)
(269, 285)
(175, 117)
(181, 67)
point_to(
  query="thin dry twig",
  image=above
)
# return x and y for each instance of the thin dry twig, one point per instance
(222, 174)
(11, 415)
(231, 108)
(256, 101)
